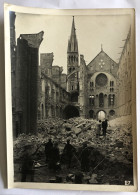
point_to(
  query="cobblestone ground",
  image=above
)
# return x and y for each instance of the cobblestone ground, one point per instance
(111, 159)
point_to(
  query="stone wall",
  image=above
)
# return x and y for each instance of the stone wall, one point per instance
(52, 98)
(26, 82)
(46, 60)
(125, 79)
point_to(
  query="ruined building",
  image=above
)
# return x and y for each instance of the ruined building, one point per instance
(52, 94)
(38, 92)
(124, 106)
(25, 90)
(98, 90)
(24, 72)
(26, 81)
(92, 87)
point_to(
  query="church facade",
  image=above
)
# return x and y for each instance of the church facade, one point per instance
(93, 87)
(95, 90)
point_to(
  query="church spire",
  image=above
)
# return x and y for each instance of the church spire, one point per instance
(72, 60)
(72, 43)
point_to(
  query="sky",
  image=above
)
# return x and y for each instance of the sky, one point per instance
(91, 31)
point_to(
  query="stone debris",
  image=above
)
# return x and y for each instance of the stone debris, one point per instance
(93, 179)
(77, 130)
(118, 141)
(115, 147)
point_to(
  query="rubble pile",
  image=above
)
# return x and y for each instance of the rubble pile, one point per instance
(116, 146)
(120, 139)
(107, 154)
(50, 125)
(23, 141)
(59, 130)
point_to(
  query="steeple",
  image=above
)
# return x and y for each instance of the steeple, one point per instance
(73, 43)
(72, 60)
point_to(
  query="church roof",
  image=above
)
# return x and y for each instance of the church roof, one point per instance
(102, 63)
(98, 55)
(73, 43)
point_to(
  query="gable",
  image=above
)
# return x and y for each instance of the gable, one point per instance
(103, 63)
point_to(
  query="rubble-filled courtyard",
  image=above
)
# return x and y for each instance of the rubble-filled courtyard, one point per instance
(110, 156)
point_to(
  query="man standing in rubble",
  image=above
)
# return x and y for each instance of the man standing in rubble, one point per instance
(54, 157)
(104, 126)
(48, 149)
(68, 152)
(98, 128)
(85, 158)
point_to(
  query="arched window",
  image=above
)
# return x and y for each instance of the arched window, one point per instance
(112, 89)
(91, 85)
(91, 100)
(111, 99)
(111, 83)
(71, 58)
(101, 100)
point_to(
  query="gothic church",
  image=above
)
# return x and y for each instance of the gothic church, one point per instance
(93, 87)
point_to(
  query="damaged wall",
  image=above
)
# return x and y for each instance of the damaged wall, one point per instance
(26, 82)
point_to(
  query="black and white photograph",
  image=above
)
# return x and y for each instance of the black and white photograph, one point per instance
(73, 97)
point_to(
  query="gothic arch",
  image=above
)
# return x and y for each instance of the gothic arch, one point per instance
(101, 115)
